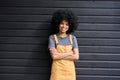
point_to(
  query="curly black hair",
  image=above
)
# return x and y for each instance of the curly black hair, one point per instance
(66, 15)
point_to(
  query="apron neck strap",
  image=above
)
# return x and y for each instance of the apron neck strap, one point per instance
(70, 37)
(56, 40)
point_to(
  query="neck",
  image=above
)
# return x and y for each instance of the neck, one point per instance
(62, 34)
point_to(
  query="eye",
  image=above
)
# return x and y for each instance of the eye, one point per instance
(67, 24)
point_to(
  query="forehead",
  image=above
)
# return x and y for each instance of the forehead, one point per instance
(64, 21)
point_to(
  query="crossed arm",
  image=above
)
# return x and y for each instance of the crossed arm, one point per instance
(71, 55)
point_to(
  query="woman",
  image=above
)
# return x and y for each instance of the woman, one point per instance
(63, 45)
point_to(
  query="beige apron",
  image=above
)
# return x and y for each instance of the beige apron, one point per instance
(63, 69)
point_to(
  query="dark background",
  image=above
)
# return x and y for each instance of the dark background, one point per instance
(24, 31)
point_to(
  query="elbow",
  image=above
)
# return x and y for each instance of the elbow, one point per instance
(77, 57)
(54, 57)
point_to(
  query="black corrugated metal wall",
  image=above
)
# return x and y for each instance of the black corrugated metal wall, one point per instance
(24, 31)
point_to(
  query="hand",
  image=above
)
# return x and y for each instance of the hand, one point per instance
(71, 52)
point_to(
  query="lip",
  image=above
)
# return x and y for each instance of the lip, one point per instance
(63, 29)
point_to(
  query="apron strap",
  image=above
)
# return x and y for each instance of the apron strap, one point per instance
(70, 37)
(56, 40)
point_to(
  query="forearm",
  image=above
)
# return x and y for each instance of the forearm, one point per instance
(74, 56)
(56, 55)
(61, 55)
(71, 57)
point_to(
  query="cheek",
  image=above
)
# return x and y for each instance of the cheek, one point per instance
(59, 26)
(67, 27)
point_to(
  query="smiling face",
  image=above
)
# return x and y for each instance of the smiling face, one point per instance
(63, 26)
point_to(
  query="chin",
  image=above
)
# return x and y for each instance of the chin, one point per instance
(63, 31)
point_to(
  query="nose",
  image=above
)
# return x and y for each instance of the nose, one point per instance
(64, 25)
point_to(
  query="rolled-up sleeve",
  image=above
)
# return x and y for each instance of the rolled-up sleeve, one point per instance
(75, 43)
(51, 42)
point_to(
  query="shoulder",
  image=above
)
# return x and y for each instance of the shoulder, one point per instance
(73, 36)
(51, 37)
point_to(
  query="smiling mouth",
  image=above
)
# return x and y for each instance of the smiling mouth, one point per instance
(63, 29)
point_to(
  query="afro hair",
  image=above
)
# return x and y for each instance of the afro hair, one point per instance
(61, 15)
